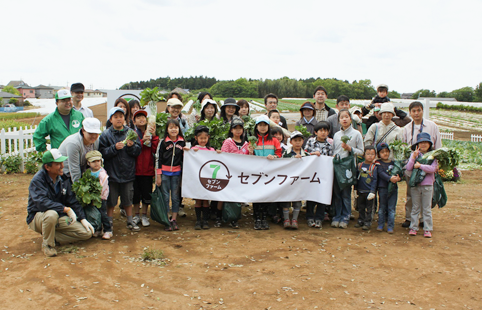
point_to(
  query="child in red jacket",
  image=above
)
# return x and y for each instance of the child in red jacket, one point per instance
(145, 170)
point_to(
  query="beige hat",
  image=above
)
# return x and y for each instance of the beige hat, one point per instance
(387, 107)
(174, 102)
(93, 156)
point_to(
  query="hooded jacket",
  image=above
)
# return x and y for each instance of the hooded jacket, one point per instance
(267, 147)
(170, 155)
(119, 164)
(42, 196)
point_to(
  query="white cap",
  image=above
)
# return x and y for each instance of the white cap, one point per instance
(387, 107)
(173, 102)
(91, 125)
(63, 94)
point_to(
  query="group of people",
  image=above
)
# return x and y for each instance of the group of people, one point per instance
(130, 167)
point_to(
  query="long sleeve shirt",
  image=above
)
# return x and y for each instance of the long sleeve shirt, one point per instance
(367, 180)
(356, 142)
(428, 169)
(410, 132)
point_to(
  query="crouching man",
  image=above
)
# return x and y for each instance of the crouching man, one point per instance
(53, 209)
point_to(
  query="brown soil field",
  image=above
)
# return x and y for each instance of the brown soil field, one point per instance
(224, 268)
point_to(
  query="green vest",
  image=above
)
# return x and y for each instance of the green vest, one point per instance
(54, 126)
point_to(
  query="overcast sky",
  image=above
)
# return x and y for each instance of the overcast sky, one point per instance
(104, 44)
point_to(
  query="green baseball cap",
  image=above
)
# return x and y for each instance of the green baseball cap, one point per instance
(53, 156)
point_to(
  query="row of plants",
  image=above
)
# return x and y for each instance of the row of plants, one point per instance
(12, 163)
(14, 115)
(459, 107)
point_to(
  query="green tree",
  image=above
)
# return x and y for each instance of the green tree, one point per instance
(465, 94)
(239, 88)
(13, 101)
(11, 90)
(393, 94)
(478, 93)
(443, 94)
(424, 93)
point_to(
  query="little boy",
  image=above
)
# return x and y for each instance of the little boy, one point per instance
(366, 188)
(94, 161)
(120, 164)
(296, 151)
(275, 116)
(144, 168)
(388, 200)
(318, 145)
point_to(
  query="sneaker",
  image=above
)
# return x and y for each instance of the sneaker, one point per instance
(427, 234)
(198, 225)
(406, 224)
(264, 225)
(133, 227)
(335, 224)
(234, 224)
(218, 223)
(380, 228)
(287, 224)
(412, 232)
(358, 225)
(294, 224)
(136, 219)
(257, 225)
(181, 212)
(310, 223)
(205, 225)
(49, 251)
(390, 230)
(97, 233)
(123, 213)
(365, 227)
(343, 225)
(107, 235)
(145, 221)
(174, 225)
(318, 224)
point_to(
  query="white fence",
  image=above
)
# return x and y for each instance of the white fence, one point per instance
(17, 142)
(476, 138)
(447, 135)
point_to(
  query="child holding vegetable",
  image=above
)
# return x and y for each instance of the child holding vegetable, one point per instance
(268, 147)
(94, 161)
(169, 163)
(346, 142)
(295, 151)
(201, 136)
(318, 145)
(144, 167)
(388, 200)
(119, 147)
(307, 119)
(366, 187)
(422, 193)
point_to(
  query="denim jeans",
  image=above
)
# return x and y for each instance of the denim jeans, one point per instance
(310, 210)
(342, 203)
(387, 208)
(170, 185)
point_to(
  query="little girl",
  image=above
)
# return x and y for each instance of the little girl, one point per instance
(268, 147)
(236, 144)
(422, 193)
(243, 107)
(354, 146)
(277, 133)
(169, 162)
(201, 135)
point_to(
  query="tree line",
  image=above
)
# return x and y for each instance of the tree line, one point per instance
(296, 88)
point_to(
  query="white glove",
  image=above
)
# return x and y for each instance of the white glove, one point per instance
(355, 194)
(87, 225)
(370, 196)
(72, 215)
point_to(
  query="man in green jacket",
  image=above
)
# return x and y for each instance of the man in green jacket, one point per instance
(60, 124)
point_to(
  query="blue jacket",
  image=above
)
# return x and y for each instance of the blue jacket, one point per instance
(42, 196)
(367, 180)
(119, 164)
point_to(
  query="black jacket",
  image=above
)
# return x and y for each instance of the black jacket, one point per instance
(119, 164)
(170, 154)
(42, 197)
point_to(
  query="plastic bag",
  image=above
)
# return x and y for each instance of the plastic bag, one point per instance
(439, 195)
(345, 170)
(159, 210)
(231, 211)
(92, 215)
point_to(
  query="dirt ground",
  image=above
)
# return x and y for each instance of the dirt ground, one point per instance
(223, 268)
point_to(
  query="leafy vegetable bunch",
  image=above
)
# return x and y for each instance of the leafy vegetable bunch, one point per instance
(150, 95)
(303, 131)
(400, 150)
(218, 132)
(88, 190)
(161, 121)
(131, 135)
(249, 124)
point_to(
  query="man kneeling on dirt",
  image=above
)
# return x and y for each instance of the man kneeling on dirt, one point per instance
(53, 209)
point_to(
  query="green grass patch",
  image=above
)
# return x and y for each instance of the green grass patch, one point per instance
(8, 116)
(12, 123)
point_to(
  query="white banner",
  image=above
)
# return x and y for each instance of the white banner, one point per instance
(208, 175)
